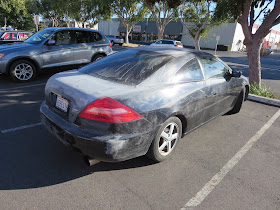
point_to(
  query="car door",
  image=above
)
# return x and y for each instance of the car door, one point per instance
(218, 87)
(82, 50)
(61, 52)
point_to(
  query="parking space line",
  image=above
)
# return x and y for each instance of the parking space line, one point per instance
(204, 192)
(20, 128)
(22, 87)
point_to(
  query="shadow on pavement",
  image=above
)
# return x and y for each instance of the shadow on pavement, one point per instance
(40, 160)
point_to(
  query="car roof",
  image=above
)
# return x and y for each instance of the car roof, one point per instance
(170, 40)
(69, 28)
(175, 52)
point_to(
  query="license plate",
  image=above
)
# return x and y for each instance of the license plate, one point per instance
(61, 103)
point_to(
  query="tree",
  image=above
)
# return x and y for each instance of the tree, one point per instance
(247, 12)
(17, 14)
(92, 11)
(129, 12)
(163, 12)
(197, 17)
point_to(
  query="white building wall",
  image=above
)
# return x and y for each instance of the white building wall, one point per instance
(226, 33)
(109, 27)
(237, 44)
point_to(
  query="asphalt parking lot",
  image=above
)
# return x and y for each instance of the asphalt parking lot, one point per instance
(233, 162)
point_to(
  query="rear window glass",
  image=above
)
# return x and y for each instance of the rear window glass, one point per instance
(179, 43)
(129, 67)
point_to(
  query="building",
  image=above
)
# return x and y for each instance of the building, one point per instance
(229, 34)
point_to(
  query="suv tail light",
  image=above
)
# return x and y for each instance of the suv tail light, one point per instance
(109, 110)
(175, 45)
(110, 44)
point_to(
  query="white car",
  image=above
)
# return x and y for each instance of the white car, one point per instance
(115, 39)
(167, 42)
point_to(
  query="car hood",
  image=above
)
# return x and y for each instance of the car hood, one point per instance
(14, 46)
(81, 90)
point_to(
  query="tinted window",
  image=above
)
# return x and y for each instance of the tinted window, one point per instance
(82, 37)
(213, 68)
(96, 36)
(166, 42)
(189, 72)
(129, 67)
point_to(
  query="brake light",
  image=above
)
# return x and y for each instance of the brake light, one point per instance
(175, 45)
(109, 110)
(110, 44)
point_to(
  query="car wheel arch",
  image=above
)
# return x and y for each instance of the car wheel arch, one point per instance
(22, 58)
(97, 54)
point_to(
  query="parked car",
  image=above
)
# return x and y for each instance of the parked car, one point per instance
(166, 42)
(52, 47)
(14, 36)
(115, 39)
(140, 101)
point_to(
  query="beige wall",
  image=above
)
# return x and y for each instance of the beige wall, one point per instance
(109, 27)
(226, 33)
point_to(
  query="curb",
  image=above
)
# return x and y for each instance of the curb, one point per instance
(263, 100)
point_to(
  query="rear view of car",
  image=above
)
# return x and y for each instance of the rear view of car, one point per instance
(115, 39)
(139, 101)
(165, 42)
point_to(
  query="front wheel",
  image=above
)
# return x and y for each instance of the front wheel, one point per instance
(166, 140)
(238, 103)
(22, 71)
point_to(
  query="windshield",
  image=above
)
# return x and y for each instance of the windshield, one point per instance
(129, 67)
(39, 37)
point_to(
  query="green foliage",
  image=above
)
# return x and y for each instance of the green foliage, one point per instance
(263, 90)
(17, 13)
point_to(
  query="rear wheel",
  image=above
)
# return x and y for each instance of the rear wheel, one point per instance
(166, 140)
(22, 71)
(97, 57)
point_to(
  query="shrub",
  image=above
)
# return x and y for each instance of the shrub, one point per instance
(263, 90)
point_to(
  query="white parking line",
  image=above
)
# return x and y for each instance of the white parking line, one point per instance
(20, 87)
(204, 192)
(20, 128)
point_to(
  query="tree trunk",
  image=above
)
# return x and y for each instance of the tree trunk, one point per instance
(196, 41)
(253, 53)
(126, 36)
(160, 33)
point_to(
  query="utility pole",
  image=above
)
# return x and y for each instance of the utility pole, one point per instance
(5, 26)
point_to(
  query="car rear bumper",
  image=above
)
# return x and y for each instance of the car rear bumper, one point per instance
(107, 147)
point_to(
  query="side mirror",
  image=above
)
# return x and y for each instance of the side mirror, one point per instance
(51, 42)
(236, 73)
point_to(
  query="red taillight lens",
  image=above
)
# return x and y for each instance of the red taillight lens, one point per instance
(110, 44)
(109, 110)
(175, 45)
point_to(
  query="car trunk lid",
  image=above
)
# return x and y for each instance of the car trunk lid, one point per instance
(79, 90)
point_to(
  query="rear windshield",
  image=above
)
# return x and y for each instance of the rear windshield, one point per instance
(129, 67)
(179, 43)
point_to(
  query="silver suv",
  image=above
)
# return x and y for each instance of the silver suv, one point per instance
(52, 47)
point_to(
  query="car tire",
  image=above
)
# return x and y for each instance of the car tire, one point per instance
(22, 71)
(97, 57)
(238, 103)
(165, 140)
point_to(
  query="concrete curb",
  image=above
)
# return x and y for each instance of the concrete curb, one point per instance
(263, 100)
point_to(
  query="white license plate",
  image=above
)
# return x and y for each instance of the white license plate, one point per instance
(61, 103)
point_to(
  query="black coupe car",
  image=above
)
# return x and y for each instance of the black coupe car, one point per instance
(140, 101)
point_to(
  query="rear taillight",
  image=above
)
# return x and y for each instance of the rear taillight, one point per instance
(110, 44)
(109, 110)
(175, 45)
